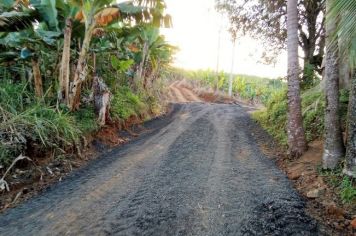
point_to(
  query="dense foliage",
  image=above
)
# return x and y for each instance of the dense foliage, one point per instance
(274, 117)
(54, 53)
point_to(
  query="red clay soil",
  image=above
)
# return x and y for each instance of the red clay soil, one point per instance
(109, 134)
(184, 92)
(179, 94)
(323, 200)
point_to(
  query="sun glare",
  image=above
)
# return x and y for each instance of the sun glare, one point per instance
(196, 30)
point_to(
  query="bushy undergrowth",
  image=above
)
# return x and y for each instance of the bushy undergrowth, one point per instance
(28, 123)
(313, 108)
(86, 119)
(274, 117)
(348, 190)
(126, 104)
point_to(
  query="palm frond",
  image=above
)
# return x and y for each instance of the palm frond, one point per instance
(345, 11)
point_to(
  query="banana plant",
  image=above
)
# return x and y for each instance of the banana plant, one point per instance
(88, 10)
(155, 53)
(100, 12)
(21, 36)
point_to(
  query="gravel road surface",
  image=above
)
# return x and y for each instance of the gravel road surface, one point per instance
(198, 172)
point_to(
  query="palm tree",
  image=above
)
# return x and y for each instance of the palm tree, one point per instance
(296, 136)
(345, 37)
(334, 148)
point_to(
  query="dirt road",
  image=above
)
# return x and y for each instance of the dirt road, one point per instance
(199, 172)
(178, 93)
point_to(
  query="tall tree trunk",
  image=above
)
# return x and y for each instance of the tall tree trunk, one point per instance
(334, 148)
(80, 73)
(296, 136)
(64, 72)
(350, 168)
(37, 77)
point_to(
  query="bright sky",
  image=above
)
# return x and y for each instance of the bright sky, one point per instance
(196, 31)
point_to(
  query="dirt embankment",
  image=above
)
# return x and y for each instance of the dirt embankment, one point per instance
(184, 91)
(180, 93)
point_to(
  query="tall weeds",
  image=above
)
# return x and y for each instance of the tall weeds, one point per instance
(26, 122)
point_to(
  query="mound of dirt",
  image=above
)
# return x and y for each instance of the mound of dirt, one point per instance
(184, 92)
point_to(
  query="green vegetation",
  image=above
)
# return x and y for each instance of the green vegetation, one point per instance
(251, 88)
(348, 190)
(126, 104)
(86, 119)
(28, 123)
(256, 89)
(344, 186)
(58, 61)
(274, 117)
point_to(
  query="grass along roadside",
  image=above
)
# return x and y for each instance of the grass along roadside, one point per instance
(56, 140)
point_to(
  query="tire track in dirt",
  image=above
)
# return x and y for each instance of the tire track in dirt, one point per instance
(180, 94)
(201, 173)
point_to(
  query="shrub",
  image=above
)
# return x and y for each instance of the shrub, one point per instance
(86, 119)
(274, 117)
(256, 88)
(126, 104)
(344, 102)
